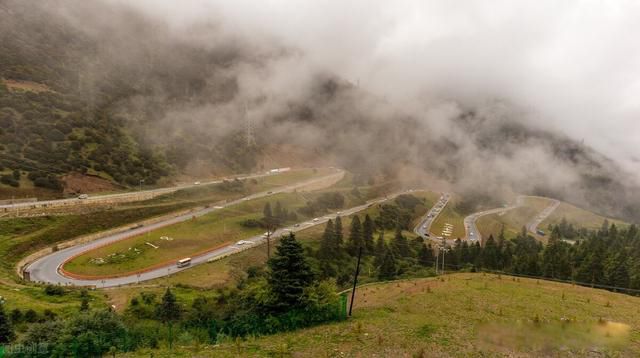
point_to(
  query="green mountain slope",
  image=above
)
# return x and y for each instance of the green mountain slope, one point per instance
(458, 315)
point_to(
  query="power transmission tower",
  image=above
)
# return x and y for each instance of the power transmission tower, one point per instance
(251, 140)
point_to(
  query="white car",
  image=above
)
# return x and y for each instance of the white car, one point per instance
(196, 183)
(244, 242)
(316, 220)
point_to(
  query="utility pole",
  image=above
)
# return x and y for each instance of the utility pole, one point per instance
(437, 258)
(355, 280)
(444, 250)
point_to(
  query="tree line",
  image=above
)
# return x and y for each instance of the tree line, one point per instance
(286, 295)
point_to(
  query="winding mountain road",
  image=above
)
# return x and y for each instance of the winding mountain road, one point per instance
(423, 228)
(532, 226)
(47, 268)
(473, 234)
(120, 197)
(471, 229)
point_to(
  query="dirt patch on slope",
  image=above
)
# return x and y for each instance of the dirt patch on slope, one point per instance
(14, 85)
(76, 183)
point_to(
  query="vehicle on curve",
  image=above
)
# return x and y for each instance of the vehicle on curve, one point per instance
(184, 262)
(83, 196)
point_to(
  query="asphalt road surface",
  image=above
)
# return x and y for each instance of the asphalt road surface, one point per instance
(532, 226)
(107, 197)
(473, 234)
(424, 227)
(47, 269)
(471, 229)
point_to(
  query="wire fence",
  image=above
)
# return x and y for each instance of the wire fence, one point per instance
(465, 268)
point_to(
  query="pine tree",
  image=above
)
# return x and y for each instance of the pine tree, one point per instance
(388, 269)
(355, 236)
(425, 256)
(339, 235)
(465, 255)
(169, 310)
(6, 329)
(16, 316)
(507, 256)
(278, 212)
(490, 253)
(615, 270)
(590, 269)
(367, 234)
(84, 304)
(327, 245)
(555, 257)
(399, 244)
(604, 230)
(289, 273)
(380, 249)
(474, 253)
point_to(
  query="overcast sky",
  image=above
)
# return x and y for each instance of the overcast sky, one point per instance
(575, 64)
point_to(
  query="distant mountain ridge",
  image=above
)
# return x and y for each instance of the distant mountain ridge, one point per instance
(101, 89)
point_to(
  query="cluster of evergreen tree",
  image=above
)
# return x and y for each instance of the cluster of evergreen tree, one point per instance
(321, 204)
(381, 259)
(605, 257)
(285, 295)
(79, 117)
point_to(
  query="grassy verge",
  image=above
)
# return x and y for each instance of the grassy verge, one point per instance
(179, 240)
(21, 236)
(513, 220)
(223, 272)
(450, 215)
(580, 218)
(458, 315)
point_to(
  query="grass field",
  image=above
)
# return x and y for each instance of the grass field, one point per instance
(580, 218)
(179, 240)
(449, 215)
(21, 236)
(226, 270)
(512, 220)
(458, 315)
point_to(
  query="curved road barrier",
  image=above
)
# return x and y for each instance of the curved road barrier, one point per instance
(49, 268)
(471, 229)
(46, 268)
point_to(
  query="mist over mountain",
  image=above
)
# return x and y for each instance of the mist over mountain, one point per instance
(130, 94)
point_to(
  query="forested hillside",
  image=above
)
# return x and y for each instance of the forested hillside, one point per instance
(103, 89)
(62, 104)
